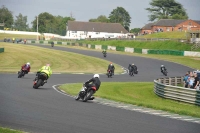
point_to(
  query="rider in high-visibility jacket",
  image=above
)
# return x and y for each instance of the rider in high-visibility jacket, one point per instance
(46, 69)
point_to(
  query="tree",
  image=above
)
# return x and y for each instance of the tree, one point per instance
(120, 15)
(166, 9)
(46, 22)
(21, 22)
(135, 30)
(6, 17)
(101, 18)
(61, 23)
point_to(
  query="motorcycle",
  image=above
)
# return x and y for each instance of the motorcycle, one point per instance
(39, 80)
(52, 44)
(21, 73)
(109, 74)
(104, 54)
(165, 72)
(86, 93)
(131, 72)
(135, 71)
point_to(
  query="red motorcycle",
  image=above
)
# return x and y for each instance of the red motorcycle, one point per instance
(109, 74)
(22, 72)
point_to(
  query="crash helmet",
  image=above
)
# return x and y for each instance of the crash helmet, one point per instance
(132, 64)
(96, 76)
(28, 64)
(162, 65)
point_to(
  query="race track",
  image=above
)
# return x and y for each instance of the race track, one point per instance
(45, 110)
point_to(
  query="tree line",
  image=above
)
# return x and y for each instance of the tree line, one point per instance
(160, 9)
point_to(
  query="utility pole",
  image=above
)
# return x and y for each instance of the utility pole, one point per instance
(37, 27)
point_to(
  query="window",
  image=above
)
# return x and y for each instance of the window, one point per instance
(74, 31)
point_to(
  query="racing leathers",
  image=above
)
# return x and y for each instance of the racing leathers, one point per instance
(111, 67)
(93, 82)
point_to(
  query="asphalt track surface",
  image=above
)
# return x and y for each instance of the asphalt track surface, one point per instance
(45, 110)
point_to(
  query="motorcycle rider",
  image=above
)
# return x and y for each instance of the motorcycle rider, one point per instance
(162, 68)
(104, 51)
(111, 67)
(93, 82)
(132, 67)
(45, 69)
(27, 67)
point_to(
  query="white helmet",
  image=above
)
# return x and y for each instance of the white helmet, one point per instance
(162, 65)
(96, 76)
(27, 63)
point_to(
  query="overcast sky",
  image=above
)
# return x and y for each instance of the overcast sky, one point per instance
(83, 10)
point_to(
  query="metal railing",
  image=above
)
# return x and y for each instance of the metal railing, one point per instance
(167, 88)
(125, 39)
(195, 46)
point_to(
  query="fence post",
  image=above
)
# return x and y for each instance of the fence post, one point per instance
(164, 81)
(170, 80)
(175, 81)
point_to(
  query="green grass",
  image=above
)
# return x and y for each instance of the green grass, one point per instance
(163, 45)
(137, 93)
(6, 130)
(16, 36)
(172, 34)
(16, 55)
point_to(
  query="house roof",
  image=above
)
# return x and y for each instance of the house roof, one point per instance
(147, 26)
(168, 22)
(197, 21)
(96, 27)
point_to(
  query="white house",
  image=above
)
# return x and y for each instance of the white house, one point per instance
(77, 29)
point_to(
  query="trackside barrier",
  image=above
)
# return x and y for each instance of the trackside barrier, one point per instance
(1, 50)
(167, 88)
(123, 49)
(166, 52)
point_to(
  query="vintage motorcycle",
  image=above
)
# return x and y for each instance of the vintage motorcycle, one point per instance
(164, 72)
(109, 74)
(86, 93)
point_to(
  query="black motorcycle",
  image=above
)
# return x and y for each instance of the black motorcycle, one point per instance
(109, 74)
(104, 54)
(52, 44)
(131, 72)
(39, 80)
(86, 93)
(164, 72)
(135, 71)
(21, 73)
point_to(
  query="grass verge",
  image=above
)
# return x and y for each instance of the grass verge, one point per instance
(66, 62)
(171, 34)
(162, 45)
(137, 93)
(193, 62)
(6, 130)
(16, 36)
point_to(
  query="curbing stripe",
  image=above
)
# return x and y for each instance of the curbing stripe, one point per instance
(135, 108)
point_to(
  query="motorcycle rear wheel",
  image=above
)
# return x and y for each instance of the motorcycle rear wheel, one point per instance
(88, 95)
(39, 82)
